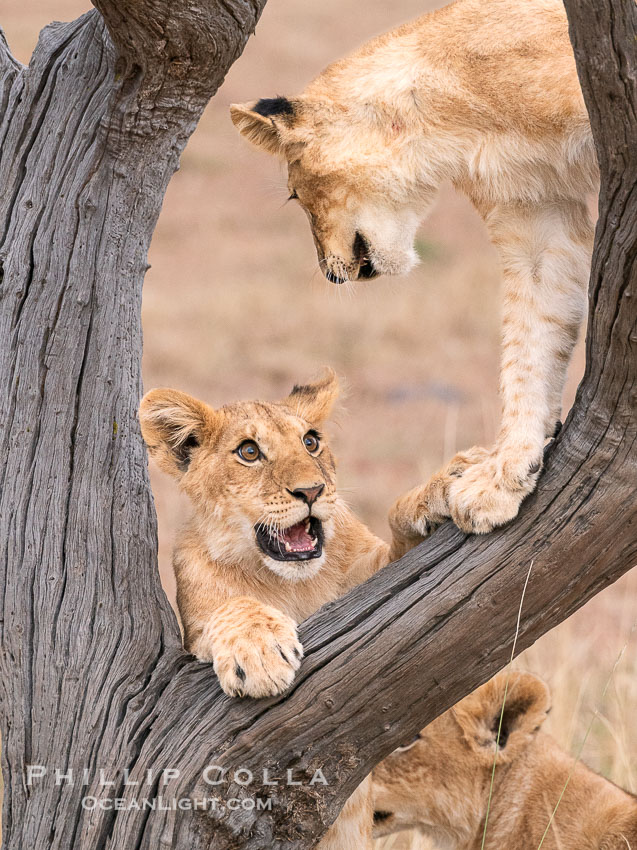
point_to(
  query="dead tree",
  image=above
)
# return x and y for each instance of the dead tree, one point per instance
(92, 673)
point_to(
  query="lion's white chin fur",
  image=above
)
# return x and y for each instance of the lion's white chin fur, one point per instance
(394, 263)
(390, 239)
(294, 571)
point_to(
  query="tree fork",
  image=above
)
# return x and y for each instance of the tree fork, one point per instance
(92, 670)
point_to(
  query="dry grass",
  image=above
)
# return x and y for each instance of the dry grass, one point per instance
(234, 308)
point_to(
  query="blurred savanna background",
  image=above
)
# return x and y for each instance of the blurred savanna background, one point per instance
(235, 307)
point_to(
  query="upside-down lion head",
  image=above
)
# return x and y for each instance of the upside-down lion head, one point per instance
(260, 476)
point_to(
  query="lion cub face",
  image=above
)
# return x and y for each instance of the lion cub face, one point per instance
(260, 476)
(439, 782)
(353, 177)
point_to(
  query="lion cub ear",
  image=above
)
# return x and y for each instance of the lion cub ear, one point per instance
(173, 425)
(263, 122)
(527, 704)
(314, 402)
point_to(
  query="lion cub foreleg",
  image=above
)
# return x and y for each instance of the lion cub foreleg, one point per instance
(417, 513)
(254, 648)
(545, 254)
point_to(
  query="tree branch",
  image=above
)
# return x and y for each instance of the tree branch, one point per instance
(393, 654)
(88, 640)
(396, 652)
(10, 69)
(174, 55)
(91, 670)
(179, 47)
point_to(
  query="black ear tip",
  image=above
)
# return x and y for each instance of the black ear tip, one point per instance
(274, 106)
(303, 389)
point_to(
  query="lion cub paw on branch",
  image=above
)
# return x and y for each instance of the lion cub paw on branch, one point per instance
(269, 540)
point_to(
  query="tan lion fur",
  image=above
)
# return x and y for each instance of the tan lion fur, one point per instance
(440, 783)
(238, 606)
(482, 93)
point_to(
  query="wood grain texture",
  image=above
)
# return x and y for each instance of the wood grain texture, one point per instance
(88, 142)
(92, 672)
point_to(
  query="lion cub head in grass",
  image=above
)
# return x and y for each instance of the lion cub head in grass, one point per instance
(260, 476)
(439, 783)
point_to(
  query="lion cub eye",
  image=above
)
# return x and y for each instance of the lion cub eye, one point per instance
(249, 451)
(404, 747)
(312, 442)
(293, 196)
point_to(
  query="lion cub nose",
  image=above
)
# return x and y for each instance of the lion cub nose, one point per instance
(308, 494)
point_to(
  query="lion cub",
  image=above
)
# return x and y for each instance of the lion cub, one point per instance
(439, 782)
(483, 94)
(269, 541)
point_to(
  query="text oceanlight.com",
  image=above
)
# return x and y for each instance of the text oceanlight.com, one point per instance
(162, 804)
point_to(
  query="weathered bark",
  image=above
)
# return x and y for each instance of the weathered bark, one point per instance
(92, 673)
(90, 134)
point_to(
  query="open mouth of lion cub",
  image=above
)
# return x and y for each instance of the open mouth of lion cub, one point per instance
(300, 542)
(366, 270)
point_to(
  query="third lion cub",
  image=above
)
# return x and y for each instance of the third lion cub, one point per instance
(440, 783)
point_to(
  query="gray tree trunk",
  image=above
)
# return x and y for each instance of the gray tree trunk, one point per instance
(91, 669)
(90, 134)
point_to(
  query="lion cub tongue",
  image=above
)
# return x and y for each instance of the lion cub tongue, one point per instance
(297, 538)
